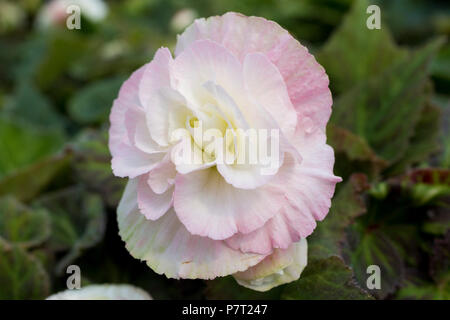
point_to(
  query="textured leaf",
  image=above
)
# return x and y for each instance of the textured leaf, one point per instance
(440, 262)
(354, 53)
(384, 110)
(352, 153)
(328, 279)
(347, 205)
(423, 291)
(78, 222)
(21, 275)
(63, 49)
(21, 225)
(92, 104)
(31, 106)
(93, 166)
(27, 182)
(21, 145)
(423, 142)
(389, 234)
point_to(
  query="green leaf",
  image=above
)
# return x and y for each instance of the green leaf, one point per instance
(21, 225)
(347, 205)
(354, 53)
(384, 110)
(63, 48)
(428, 185)
(93, 166)
(21, 275)
(440, 262)
(423, 291)
(325, 279)
(389, 234)
(31, 106)
(423, 142)
(29, 181)
(78, 222)
(22, 145)
(352, 153)
(92, 104)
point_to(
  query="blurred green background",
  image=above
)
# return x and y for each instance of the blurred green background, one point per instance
(389, 129)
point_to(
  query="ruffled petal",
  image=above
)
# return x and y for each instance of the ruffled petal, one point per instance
(168, 248)
(128, 96)
(283, 266)
(153, 205)
(208, 206)
(266, 86)
(103, 292)
(289, 226)
(128, 161)
(309, 186)
(162, 177)
(306, 80)
(206, 61)
(138, 133)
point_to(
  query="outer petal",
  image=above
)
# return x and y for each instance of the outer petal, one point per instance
(208, 206)
(168, 248)
(128, 96)
(155, 76)
(103, 292)
(309, 187)
(266, 86)
(203, 62)
(289, 226)
(153, 205)
(306, 80)
(162, 177)
(312, 182)
(281, 267)
(138, 133)
(128, 161)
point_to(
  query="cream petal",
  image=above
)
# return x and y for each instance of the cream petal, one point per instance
(266, 86)
(153, 205)
(103, 292)
(168, 248)
(283, 266)
(306, 80)
(138, 133)
(162, 177)
(208, 206)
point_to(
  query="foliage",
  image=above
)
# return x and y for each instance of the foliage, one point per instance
(389, 130)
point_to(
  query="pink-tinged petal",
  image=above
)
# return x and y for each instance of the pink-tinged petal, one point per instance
(289, 226)
(201, 63)
(128, 96)
(188, 157)
(153, 206)
(311, 182)
(162, 177)
(210, 207)
(309, 186)
(283, 266)
(306, 80)
(266, 86)
(128, 161)
(166, 113)
(156, 75)
(245, 176)
(138, 133)
(168, 248)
